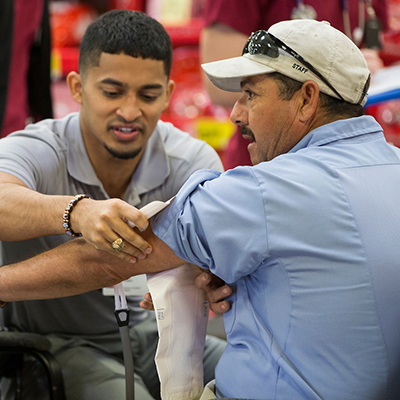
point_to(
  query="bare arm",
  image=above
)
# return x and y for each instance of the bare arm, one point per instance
(26, 214)
(218, 42)
(77, 267)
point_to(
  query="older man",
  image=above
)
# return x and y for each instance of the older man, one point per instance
(308, 237)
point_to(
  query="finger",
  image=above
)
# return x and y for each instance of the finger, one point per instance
(202, 280)
(123, 250)
(220, 307)
(119, 210)
(134, 251)
(214, 295)
(121, 254)
(135, 217)
(134, 243)
(147, 305)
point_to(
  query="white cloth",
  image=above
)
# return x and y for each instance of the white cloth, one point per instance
(209, 391)
(182, 316)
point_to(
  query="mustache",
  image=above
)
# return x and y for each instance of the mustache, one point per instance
(248, 132)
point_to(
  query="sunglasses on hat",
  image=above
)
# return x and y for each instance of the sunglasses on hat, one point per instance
(264, 43)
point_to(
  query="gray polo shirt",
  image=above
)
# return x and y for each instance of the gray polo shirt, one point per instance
(50, 157)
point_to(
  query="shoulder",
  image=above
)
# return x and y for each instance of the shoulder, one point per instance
(53, 132)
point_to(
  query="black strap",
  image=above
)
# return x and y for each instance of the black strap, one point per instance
(39, 82)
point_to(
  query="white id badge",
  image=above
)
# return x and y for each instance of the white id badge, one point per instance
(134, 286)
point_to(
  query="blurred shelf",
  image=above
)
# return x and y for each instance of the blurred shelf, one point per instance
(65, 59)
(185, 35)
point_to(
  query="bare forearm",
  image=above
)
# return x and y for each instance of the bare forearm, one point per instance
(25, 214)
(77, 267)
(67, 270)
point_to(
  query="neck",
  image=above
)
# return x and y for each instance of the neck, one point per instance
(115, 174)
(115, 180)
(322, 119)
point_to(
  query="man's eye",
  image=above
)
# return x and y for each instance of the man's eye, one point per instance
(149, 98)
(250, 94)
(110, 94)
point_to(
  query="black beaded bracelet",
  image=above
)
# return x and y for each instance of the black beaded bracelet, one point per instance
(67, 214)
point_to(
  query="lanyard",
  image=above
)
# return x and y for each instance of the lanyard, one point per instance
(122, 315)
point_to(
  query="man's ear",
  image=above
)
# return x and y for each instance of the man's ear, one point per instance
(75, 84)
(309, 93)
(170, 89)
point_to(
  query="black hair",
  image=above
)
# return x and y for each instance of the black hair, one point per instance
(331, 106)
(125, 32)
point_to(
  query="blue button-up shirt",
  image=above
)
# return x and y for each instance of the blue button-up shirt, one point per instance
(310, 243)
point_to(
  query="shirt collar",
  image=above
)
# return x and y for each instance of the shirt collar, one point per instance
(79, 165)
(341, 129)
(152, 170)
(154, 167)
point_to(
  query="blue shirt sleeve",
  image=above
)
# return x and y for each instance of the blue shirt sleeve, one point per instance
(217, 222)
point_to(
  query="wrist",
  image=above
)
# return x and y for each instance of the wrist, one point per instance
(67, 215)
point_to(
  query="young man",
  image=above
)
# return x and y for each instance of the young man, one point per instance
(118, 152)
(307, 237)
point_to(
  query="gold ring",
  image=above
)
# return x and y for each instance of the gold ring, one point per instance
(118, 244)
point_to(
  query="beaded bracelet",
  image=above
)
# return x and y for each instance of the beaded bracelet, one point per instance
(67, 214)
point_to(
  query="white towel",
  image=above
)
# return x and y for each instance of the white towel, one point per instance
(182, 316)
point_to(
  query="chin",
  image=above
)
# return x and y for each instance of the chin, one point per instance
(123, 155)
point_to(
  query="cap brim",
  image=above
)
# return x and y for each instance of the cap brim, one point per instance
(227, 74)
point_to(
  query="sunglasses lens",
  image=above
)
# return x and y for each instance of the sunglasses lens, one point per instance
(261, 43)
(268, 46)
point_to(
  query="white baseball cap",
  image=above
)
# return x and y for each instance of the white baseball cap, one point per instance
(303, 50)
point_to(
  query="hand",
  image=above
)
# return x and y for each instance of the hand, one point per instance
(216, 290)
(101, 222)
(147, 303)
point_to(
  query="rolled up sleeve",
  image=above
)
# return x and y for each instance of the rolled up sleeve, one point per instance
(217, 222)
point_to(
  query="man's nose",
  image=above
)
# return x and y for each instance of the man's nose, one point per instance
(129, 109)
(239, 114)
